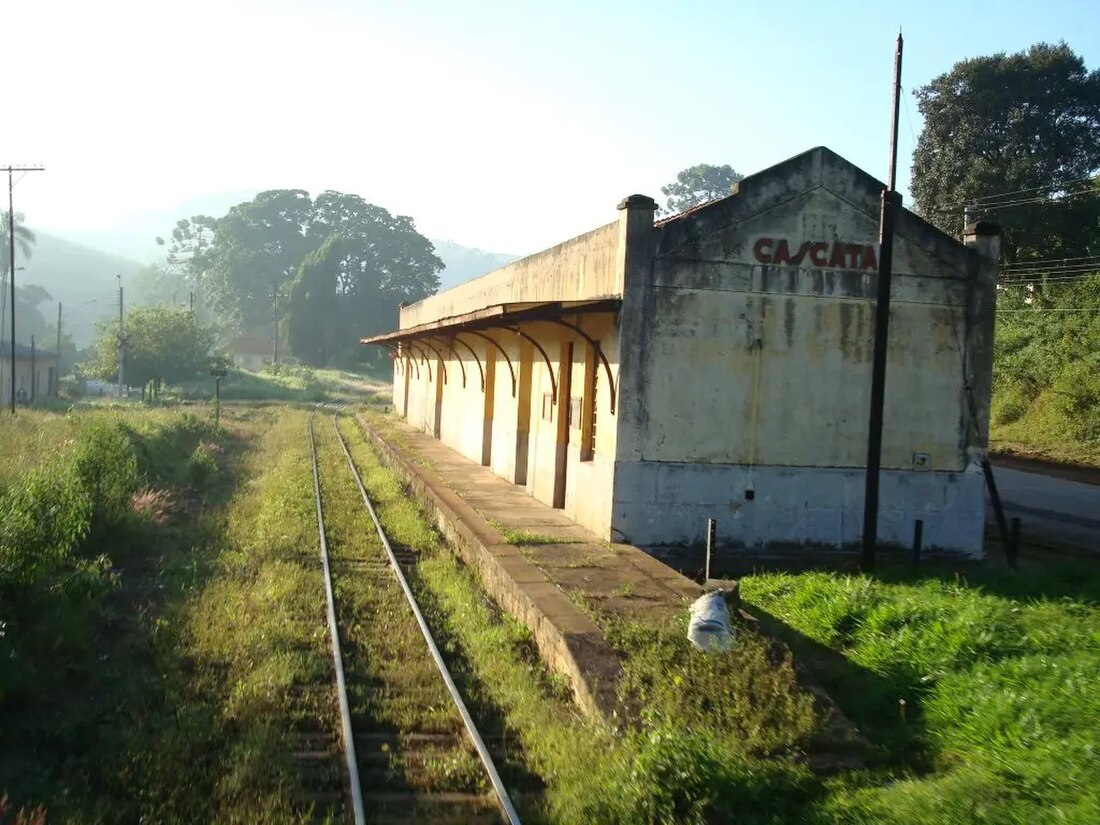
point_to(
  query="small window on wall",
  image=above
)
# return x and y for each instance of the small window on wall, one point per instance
(547, 407)
(575, 412)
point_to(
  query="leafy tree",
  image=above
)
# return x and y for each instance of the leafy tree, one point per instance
(24, 240)
(188, 258)
(260, 245)
(257, 247)
(24, 243)
(1025, 123)
(313, 303)
(699, 184)
(383, 261)
(162, 345)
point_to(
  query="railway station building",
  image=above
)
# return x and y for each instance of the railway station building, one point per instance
(649, 375)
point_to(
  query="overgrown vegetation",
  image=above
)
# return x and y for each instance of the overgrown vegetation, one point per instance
(1047, 370)
(256, 634)
(719, 741)
(102, 525)
(163, 345)
(996, 670)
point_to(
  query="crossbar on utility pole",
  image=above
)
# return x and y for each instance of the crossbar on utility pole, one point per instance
(890, 204)
(11, 260)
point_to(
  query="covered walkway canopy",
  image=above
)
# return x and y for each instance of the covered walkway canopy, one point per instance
(441, 336)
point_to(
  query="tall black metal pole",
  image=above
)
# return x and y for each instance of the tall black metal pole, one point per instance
(11, 261)
(891, 202)
(894, 118)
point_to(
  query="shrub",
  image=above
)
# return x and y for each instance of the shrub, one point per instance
(106, 463)
(201, 466)
(1077, 389)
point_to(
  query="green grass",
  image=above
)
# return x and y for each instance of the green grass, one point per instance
(523, 538)
(998, 673)
(720, 738)
(95, 721)
(281, 383)
(1038, 429)
(255, 634)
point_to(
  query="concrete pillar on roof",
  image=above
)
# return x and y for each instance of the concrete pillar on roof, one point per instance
(636, 284)
(985, 239)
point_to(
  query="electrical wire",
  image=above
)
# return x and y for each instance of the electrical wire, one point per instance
(1051, 260)
(979, 200)
(1042, 277)
(1051, 309)
(1086, 266)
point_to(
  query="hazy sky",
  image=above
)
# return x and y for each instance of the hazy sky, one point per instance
(504, 125)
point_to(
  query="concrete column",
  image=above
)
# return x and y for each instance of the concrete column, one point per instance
(635, 248)
(985, 239)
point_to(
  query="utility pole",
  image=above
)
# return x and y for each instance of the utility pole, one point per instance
(191, 304)
(275, 324)
(121, 340)
(11, 260)
(57, 362)
(890, 204)
(34, 373)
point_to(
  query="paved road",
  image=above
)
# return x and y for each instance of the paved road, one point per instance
(1052, 507)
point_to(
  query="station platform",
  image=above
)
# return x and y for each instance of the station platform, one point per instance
(545, 569)
(554, 576)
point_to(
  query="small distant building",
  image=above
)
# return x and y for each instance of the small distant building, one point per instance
(250, 352)
(647, 376)
(35, 373)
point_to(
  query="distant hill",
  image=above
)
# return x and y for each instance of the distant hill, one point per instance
(82, 278)
(135, 236)
(82, 265)
(462, 263)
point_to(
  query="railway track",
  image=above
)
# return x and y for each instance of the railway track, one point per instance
(411, 750)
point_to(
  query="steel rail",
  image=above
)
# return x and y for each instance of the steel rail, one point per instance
(337, 658)
(482, 751)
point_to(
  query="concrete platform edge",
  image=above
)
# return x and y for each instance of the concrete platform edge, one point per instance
(569, 642)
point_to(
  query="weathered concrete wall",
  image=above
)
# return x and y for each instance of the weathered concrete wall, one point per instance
(754, 359)
(581, 268)
(669, 503)
(556, 463)
(23, 377)
(463, 409)
(506, 409)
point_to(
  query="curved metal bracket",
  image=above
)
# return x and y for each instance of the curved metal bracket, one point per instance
(394, 353)
(456, 340)
(592, 342)
(423, 360)
(546, 358)
(461, 365)
(442, 365)
(507, 360)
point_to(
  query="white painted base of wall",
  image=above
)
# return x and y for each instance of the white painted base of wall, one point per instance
(661, 503)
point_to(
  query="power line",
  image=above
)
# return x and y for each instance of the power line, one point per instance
(980, 205)
(1039, 261)
(1074, 266)
(1064, 280)
(1035, 279)
(1027, 201)
(978, 201)
(1051, 309)
(908, 119)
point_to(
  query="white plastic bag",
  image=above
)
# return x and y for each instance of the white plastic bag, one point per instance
(709, 628)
